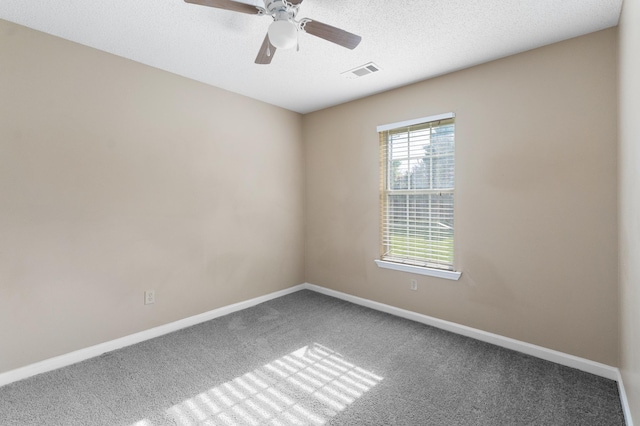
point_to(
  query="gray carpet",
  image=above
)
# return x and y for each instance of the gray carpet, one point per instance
(307, 358)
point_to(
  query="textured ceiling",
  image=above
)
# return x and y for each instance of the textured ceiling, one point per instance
(409, 40)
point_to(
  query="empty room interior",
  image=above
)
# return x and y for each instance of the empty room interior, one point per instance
(190, 234)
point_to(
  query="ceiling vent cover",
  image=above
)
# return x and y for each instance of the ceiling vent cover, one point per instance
(362, 70)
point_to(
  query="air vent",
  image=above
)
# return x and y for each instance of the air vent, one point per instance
(362, 70)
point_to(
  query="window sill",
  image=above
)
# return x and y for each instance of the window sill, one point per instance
(449, 275)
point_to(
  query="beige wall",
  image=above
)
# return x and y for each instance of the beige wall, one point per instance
(630, 202)
(115, 178)
(536, 197)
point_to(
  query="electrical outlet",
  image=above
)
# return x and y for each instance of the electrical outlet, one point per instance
(413, 285)
(149, 297)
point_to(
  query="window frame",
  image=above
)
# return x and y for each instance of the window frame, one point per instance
(407, 265)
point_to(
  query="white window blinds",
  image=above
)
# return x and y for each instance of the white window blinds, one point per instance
(417, 192)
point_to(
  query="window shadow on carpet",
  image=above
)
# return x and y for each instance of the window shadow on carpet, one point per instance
(307, 386)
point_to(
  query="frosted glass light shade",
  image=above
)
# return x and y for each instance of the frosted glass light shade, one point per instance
(283, 34)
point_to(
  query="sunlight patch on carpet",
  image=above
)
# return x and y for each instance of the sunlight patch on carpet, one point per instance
(307, 386)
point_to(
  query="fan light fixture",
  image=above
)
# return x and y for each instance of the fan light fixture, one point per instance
(283, 34)
(283, 31)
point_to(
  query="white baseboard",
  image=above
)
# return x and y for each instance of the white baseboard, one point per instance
(93, 351)
(624, 401)
(561, 358)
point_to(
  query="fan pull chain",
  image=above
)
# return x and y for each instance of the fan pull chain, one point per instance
(297, 41)
(268, 50)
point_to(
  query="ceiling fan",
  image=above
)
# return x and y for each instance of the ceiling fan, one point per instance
(283, 31)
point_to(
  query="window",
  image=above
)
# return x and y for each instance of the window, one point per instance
(417, 194)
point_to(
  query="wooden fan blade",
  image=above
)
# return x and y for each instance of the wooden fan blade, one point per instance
(295, 2)
(332, 34)
(267, 50)
(228, 5)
